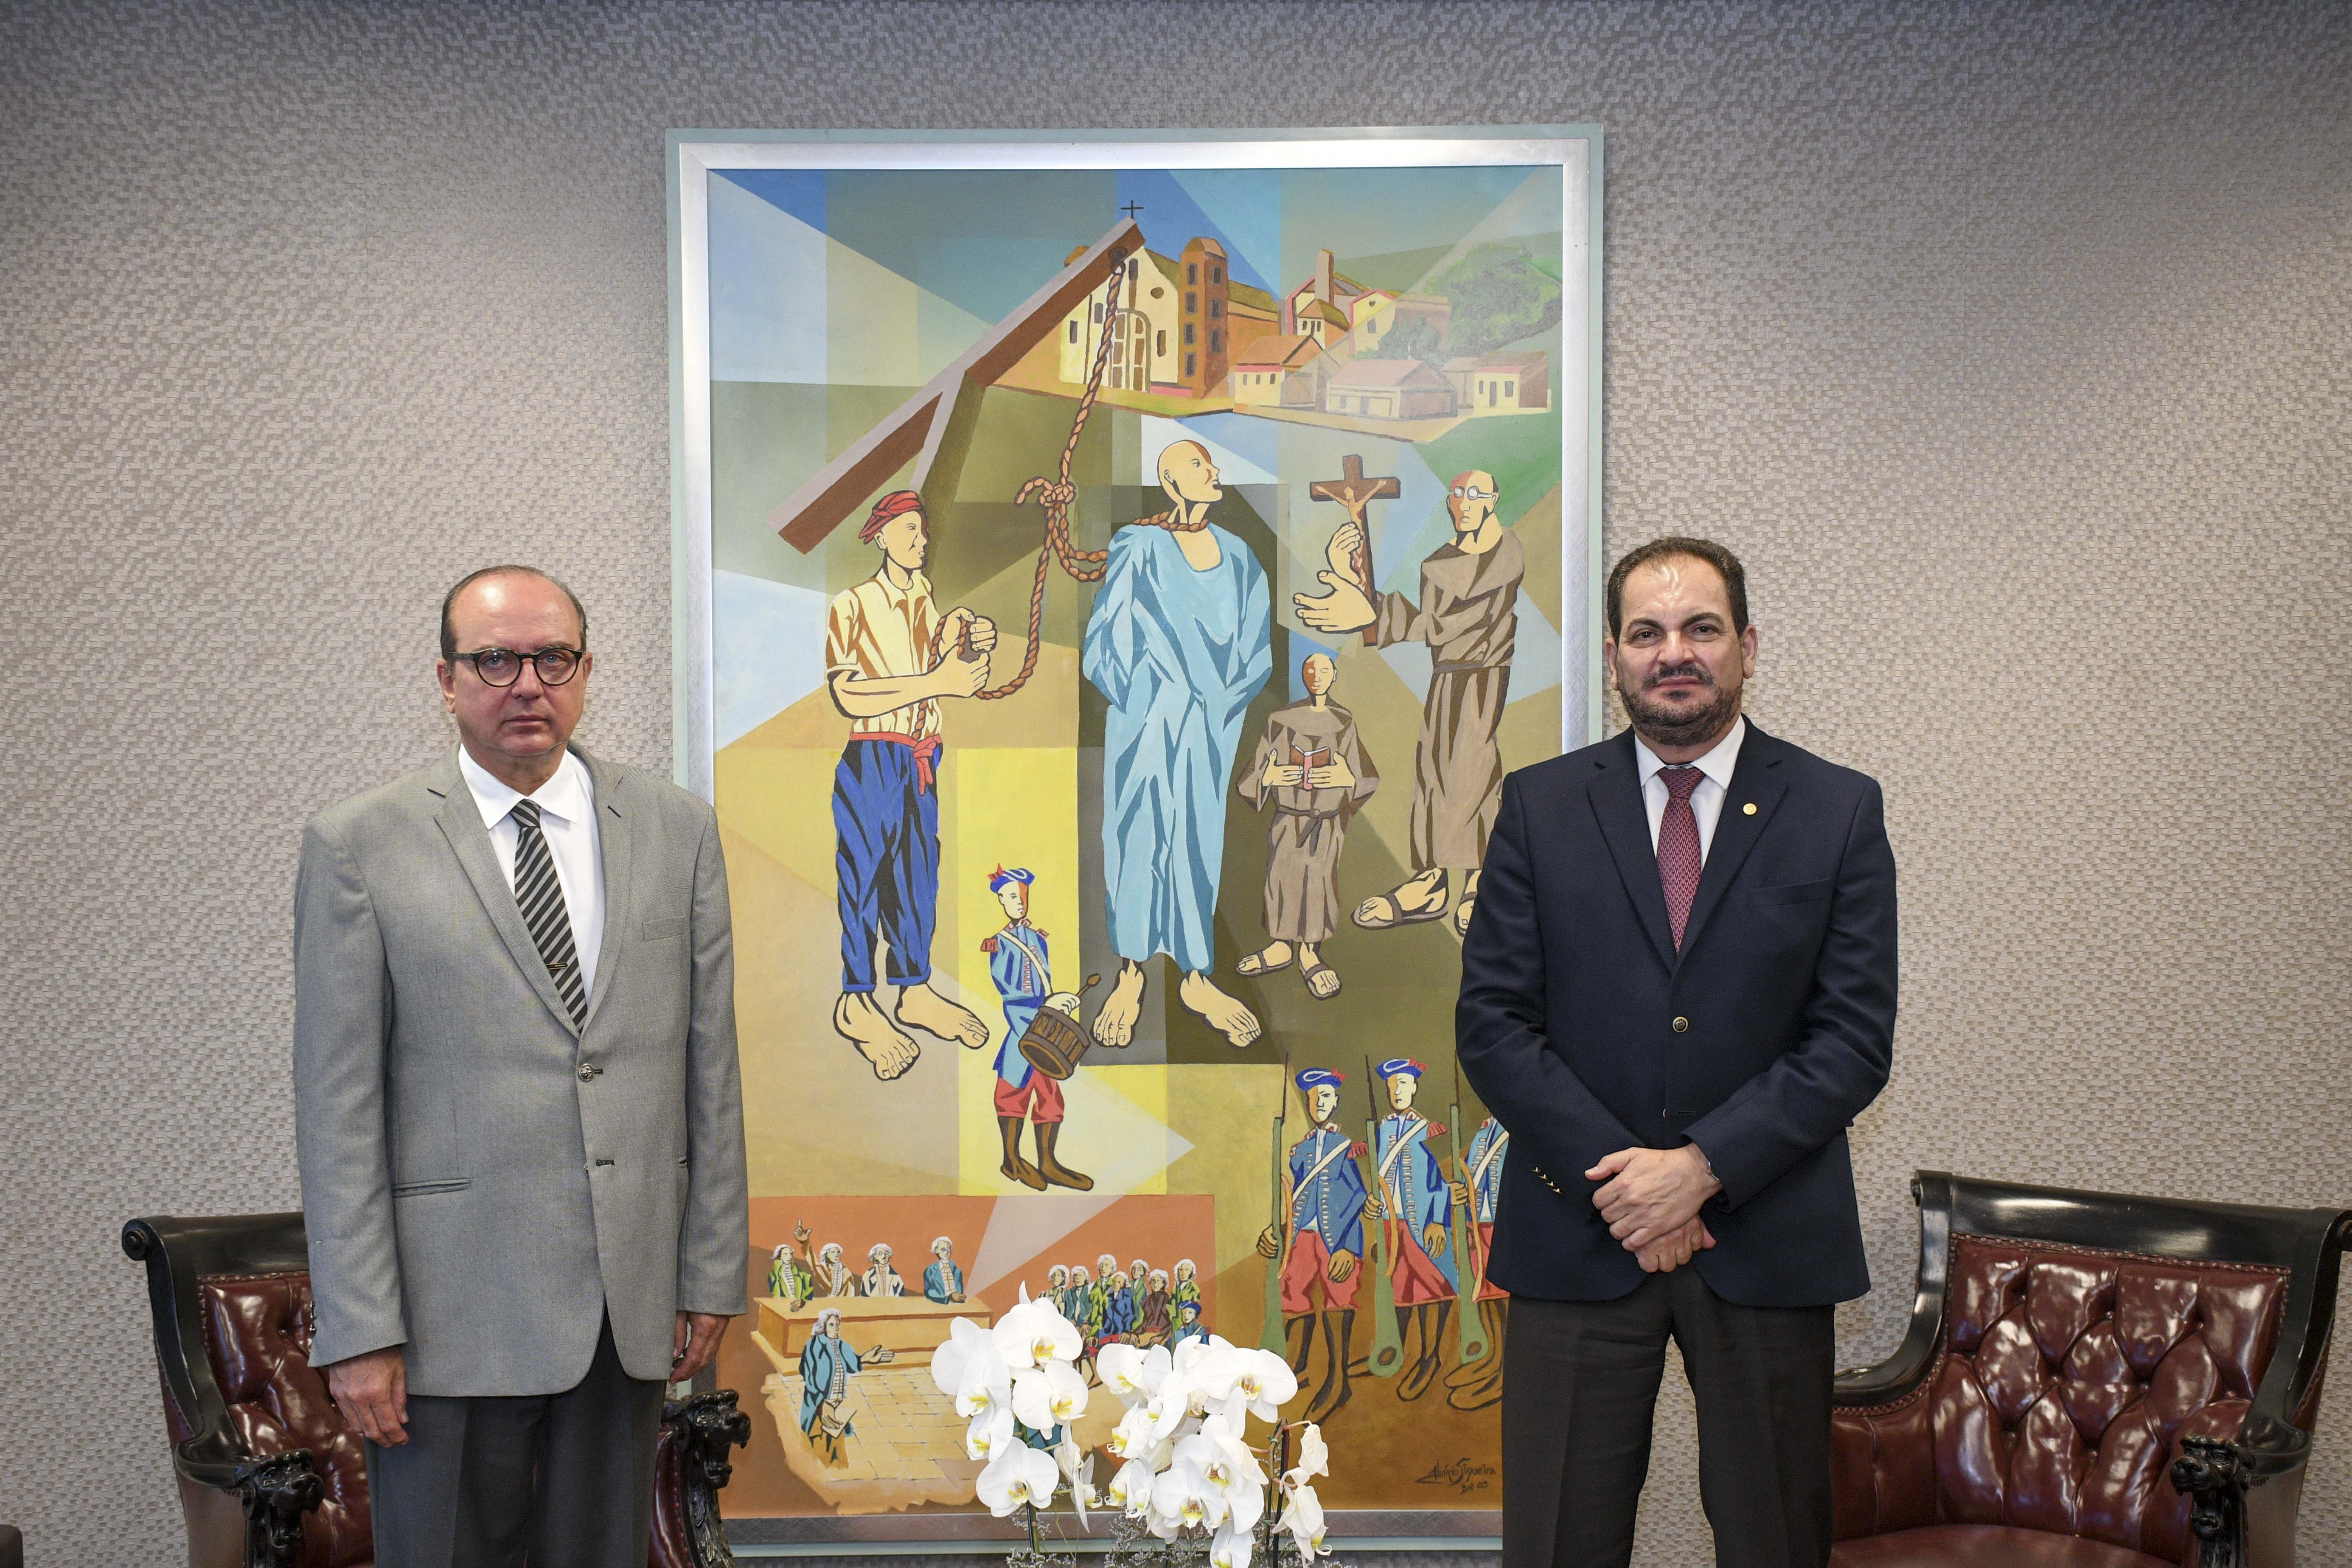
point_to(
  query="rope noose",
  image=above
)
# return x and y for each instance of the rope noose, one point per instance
(1059, 495)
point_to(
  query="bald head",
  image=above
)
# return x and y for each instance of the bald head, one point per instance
(1188, 475)
(488, 580)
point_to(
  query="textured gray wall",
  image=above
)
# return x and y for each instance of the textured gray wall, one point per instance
(2007, 342)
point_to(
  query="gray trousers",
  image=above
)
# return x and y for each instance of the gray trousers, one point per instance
(1580, 1395)
(550, 1481)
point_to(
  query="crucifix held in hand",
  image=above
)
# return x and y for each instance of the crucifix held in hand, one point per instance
(1357, 493)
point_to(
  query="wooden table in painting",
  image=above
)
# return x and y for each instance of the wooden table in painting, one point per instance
(910, 1327)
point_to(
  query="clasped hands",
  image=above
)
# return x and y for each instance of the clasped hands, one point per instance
(372, 1390)
(1333, 774)
(1651, 1198)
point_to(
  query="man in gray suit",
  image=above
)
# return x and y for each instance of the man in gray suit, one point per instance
(517, 1109)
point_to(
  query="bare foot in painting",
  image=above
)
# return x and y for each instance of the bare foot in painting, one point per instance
(1221, 1012)
(878, 1040)
(1410, 902)
(1467, 905)
(1115, 1025)
(1271, 959)
(921, 1007)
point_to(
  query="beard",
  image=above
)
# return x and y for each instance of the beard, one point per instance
(1666, 724)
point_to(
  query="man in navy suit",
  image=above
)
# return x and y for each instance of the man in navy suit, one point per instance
(1677, 992)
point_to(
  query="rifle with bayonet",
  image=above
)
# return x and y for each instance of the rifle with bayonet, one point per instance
(1465, 1259)
(1274, 1336)
(1388, 1345)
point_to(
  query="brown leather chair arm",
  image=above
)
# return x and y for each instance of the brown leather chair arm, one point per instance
(274, 1492)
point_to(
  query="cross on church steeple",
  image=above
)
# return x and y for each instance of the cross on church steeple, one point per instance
(1133, 209)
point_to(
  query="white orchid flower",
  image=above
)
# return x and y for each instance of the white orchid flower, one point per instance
(1130, 1489)
(990, 1433)
(1183, 1494)
(1171, 1412)
(1314, 1457)
(1248, 1383)
(1033, 1334)
(1049, 1396)
(967, 1342)
(1302, 1517)
(1230, 1546)
(1229, 1468)
(987, 1386)
(1131, 1440)
(1133, 1376)
(1189, 1354)
(1077, 1467)
(1018, 1477)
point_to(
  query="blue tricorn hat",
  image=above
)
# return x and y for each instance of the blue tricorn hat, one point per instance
(1395, 1065)
(1005, 878)
(1313, 1076)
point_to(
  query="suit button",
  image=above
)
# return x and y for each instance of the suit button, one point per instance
(1681, 1026)
(590, 1070)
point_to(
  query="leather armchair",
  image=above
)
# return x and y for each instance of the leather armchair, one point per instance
(269, 1474)
(2091, 1380)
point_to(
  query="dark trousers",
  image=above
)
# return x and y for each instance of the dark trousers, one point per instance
(550, 1481)
(1579, 1391)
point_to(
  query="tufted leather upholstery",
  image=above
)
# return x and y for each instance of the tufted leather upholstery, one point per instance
(258, 1333)
(2056, 1403)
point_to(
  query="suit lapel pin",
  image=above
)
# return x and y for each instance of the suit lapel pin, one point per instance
(1750, 809)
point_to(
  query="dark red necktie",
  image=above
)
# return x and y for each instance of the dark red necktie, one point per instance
(1679, 856)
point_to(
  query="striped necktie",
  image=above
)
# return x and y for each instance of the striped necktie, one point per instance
(541, 898)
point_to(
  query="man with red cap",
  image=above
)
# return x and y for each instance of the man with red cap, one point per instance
(889, 658)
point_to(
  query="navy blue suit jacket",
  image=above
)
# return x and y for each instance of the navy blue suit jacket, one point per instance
(1572, 985)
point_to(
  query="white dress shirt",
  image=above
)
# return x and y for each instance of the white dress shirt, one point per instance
(1707, 800)
(567, 820)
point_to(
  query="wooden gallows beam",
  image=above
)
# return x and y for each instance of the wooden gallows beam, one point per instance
(915, 429)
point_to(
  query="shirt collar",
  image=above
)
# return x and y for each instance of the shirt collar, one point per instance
(918, 587)
(567, 797)
(1718, 764)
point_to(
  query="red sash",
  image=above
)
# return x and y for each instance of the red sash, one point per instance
(925, 749)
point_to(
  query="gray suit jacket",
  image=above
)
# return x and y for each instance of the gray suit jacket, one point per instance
(482, 1181)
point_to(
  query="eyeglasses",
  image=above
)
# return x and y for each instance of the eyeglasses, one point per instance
(503, 666)
(1472, 492)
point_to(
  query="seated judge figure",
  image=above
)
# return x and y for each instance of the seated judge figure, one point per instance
(943, 1279)
(517, 1109)
(880, 1278)
(1677, 990)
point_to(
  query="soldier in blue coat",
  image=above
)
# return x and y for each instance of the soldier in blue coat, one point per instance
(1415, 1196)
(1018, 963)
(1480, 1384)
(1322, 1254)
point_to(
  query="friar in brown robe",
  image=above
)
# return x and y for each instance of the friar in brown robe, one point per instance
(1311, 768)
(1468, 618)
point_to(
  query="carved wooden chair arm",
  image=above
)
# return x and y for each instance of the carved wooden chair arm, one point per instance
(698, 1437)
(2218, 1475)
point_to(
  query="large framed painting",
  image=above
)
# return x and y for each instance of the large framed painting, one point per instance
(1113, 575)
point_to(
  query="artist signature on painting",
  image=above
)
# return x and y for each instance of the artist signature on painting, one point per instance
(1463, 1475)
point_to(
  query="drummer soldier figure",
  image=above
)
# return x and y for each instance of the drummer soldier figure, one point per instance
(1017, 963)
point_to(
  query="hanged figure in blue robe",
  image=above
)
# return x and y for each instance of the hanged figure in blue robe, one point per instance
(1179, 641)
